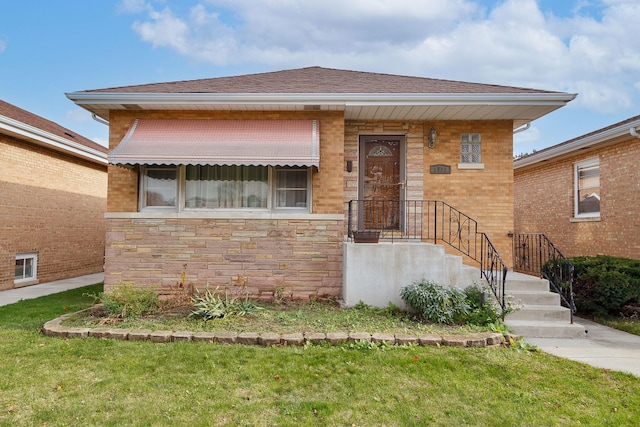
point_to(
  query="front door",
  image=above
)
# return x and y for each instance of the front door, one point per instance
(381, 181)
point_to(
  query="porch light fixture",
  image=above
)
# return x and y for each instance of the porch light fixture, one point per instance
(432, 137)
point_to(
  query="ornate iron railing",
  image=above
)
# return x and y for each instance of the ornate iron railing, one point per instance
(535, 254)
(430, 220)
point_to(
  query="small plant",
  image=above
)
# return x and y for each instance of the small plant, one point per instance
(279, 296)
(483, 309)
(435, 302)
(210, 306)
(128, 301)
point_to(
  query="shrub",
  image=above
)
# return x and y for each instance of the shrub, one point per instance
(483, 309)
(128, 301)
(435, 302)
(603, 285)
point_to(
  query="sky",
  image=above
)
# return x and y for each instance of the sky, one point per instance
(589, 47)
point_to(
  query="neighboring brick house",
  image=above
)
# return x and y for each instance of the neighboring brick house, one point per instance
(584, 194)
(53, 186)
(247, 179)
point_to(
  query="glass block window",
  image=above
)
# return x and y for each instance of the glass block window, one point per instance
(470, 148)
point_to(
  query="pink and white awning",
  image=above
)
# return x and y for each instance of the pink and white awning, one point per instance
(219, 142)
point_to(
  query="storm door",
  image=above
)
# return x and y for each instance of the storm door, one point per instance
(381, 182)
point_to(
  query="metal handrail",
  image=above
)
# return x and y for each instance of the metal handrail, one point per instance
(534, 253)
(431, 220)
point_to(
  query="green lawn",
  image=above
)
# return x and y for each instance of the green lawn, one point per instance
(627, 324)
(86, 382)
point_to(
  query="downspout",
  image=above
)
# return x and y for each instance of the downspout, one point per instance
(635, 133)
(522, 128)
(99, 119)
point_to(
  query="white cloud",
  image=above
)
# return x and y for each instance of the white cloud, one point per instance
(595, 50)
(3, 45)
(133, 6)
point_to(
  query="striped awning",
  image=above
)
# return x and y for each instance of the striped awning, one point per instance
(219, 142)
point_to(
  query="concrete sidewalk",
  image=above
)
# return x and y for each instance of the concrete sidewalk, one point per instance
(28, 292)
(603, 347)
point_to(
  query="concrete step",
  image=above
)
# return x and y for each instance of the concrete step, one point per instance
(523, 282)
(534, 297)
(542, 313)
(546, 329)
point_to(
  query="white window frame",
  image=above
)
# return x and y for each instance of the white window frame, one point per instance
(577, 167)
(34, 268)
(471, 139)
(143, 188)
(275, 188)
(181, 191)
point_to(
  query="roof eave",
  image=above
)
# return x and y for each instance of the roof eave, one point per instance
(579, 144)
(108, 98)
(47, 139)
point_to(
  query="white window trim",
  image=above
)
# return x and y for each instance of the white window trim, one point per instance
(143, 190)
(272, 185)
(470, 165)
(28, 280)
(181, 191)
(576, 187)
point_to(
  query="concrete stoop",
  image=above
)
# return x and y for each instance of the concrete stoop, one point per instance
(540, 314)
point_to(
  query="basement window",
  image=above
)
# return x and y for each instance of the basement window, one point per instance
(26, 268)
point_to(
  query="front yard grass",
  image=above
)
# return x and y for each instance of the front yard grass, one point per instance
(88, 382)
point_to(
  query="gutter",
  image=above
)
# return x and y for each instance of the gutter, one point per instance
(633, 132)
(40, 137)
(344, 99)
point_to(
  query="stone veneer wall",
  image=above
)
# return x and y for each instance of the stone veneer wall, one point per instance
(300, 257)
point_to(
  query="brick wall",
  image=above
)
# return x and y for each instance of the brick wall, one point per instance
(544, 203)
(52, 204)
(302, 257)
(485, 195)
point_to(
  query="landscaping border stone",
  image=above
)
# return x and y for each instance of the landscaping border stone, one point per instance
(54, 328)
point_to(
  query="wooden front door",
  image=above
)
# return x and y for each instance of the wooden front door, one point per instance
(381, 181)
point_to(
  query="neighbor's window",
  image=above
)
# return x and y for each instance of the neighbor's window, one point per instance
(26, 267)
(587, 188)
(160, 186)
(470, 151)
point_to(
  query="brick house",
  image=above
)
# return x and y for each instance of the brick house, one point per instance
(54, 186)
(247, 179)
(583, 193)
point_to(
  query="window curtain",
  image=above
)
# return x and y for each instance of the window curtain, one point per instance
(221, 186)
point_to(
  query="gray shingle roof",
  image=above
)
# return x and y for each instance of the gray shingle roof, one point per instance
(24, 116)
(319, 80)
